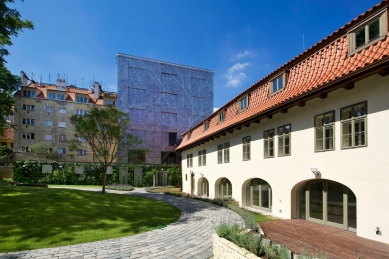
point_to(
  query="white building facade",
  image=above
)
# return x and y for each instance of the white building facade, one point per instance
(308, 141)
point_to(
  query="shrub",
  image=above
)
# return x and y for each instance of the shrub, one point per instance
(119, 187)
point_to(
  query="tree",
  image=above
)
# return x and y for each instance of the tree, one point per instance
(104, 129)
(10, 25)
(42, 150)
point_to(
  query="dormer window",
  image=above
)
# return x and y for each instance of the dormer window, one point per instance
(55, 96)
(110, 102)
(279, 83)
(188, 136)
(243, 103)
(206, 125)
(372, 30)
(221, 116)
(81, 99)
(28, 93)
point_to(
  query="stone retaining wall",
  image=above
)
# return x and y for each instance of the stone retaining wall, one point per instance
(166, 190)
(224, 249)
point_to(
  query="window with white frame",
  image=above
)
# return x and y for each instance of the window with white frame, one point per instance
(61, 124)
(51, 96)
(48, 137)
(49, 123)
(354, 125)
(81, 152)
(220, 154)
(62, 138)
(206, 125)
(80, 139)
(279, 83)
(268, 143)
(221, 116)
(61, 151)
(370, 31)
(29, 93)
(284, 140)
(28, 121)
(246, 148)
(81, 112)
(202, 157)
(81, 99)
(49, 109)
(227, 152)
(110, 102)
(243, 103)
(56, 96)
(61, 96)
(28, 107)
(324, 131)
(62, 110)
(189, 160)
(28, 135)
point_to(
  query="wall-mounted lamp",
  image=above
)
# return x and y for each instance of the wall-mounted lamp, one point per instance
(314, 169)
(377, 230)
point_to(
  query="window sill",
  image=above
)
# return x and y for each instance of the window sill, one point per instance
(283, 155)
(366, 46)
(276, 92)
(268, 157)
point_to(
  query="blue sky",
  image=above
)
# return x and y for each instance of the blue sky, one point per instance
(242, 41)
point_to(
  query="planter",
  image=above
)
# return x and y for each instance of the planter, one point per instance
(224, 249)
(157, 190)
(236, 203)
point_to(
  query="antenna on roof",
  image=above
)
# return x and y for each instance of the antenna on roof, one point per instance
(303, 43)
(40, 80)
(49, 78)
(58, 76)
(32, 76)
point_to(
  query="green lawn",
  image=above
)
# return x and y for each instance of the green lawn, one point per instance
(33, 217)
(262, 218)
(75, 186)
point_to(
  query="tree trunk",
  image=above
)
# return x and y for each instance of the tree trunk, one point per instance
(104, 179)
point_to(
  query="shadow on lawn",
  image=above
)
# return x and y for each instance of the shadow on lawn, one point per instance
(39, 217)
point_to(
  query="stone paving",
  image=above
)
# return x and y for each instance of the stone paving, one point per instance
(189, 237)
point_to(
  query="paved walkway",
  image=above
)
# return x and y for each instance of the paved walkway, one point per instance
(189, 237)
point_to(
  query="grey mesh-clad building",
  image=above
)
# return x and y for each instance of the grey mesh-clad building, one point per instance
(163, 100)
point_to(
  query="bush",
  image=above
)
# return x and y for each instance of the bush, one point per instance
(119, 187)
(240, 237)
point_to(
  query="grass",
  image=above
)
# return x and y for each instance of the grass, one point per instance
(33, 218)
(75, 186)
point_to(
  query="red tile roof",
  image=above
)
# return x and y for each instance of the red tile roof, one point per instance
(71, 92)
(321, 66)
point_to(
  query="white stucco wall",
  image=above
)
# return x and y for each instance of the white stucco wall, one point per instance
(364, 170)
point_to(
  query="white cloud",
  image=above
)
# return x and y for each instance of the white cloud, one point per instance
(238, 66)
(215, 109)
(235, 79)
(243, 54)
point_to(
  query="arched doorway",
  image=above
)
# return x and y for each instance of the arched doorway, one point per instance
(225, 189)
(258, 194)
(203, 187)
(327, 202)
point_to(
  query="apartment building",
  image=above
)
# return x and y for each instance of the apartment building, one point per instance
(163, 100)
(43, 111)
(7, 137)
(308, 140)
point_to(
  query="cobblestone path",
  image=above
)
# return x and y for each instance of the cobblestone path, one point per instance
(189, 237)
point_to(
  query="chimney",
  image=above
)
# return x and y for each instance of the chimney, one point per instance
(61, 84)
(97, 90)
(23, 78)
(90, 90)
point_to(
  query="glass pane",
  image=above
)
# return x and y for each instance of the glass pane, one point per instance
(287, 129)
(359, 127)
(229, 190)
(271, 133)
(335, 203)
(287, 145)
(280, 130)
(265, 134)
(319, 120)
(316, 200)
(359, 110)
(265, 193)
(275, 86)
(346, 134)
(346, 113)
(319, 138)
(280, 146)
(352, 209)
(255, 185)
(266, 143)
(360, 37)
(329, 143)
(328, 118)
(271, 146)
(374, 30)
(280, 83)
(302, 204)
